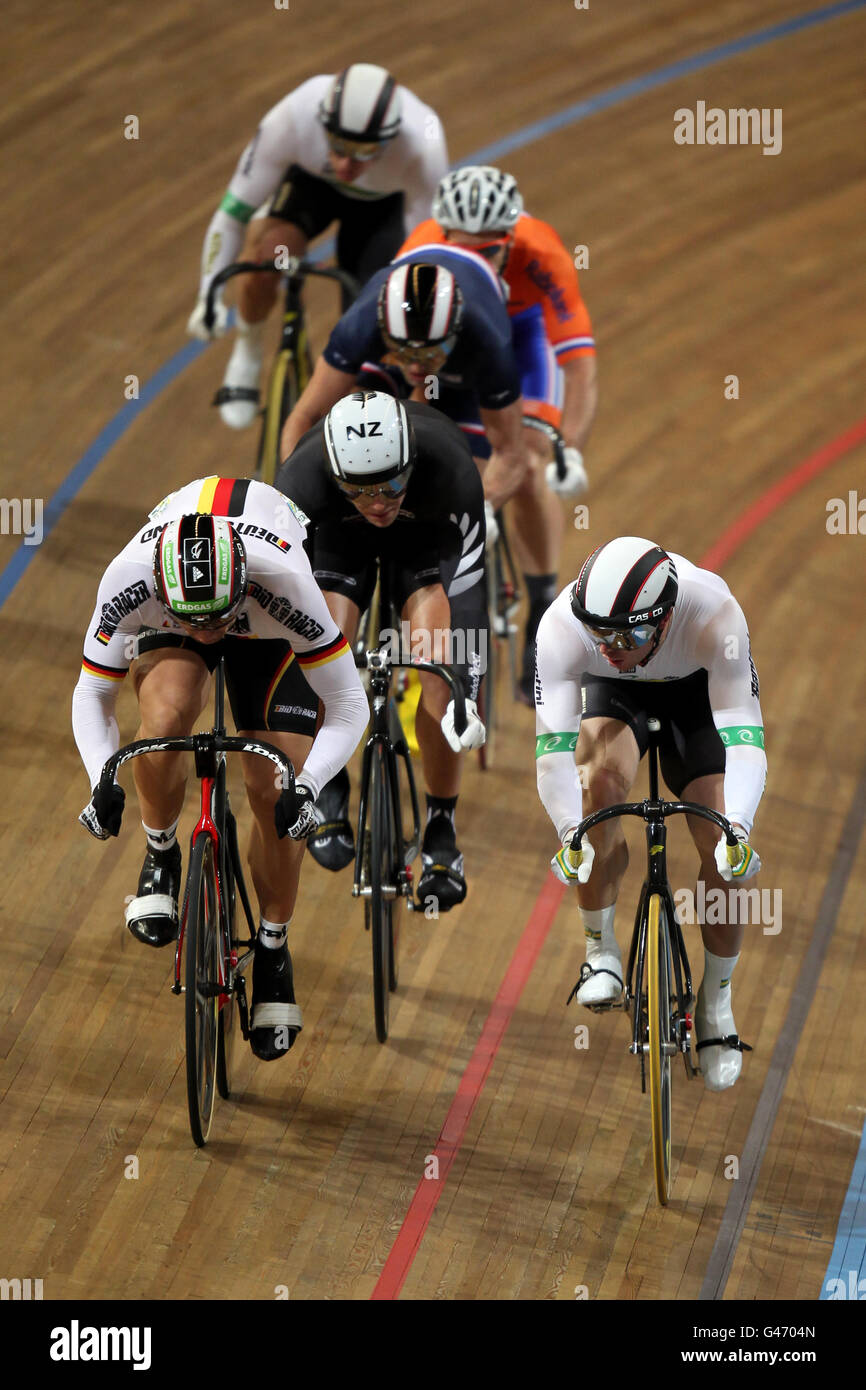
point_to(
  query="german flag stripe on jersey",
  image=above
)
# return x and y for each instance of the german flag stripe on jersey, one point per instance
(108, 673)
(223, 496)
(272, 688)
(309, 660)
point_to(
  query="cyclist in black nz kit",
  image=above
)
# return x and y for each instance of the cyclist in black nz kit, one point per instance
(379, 478)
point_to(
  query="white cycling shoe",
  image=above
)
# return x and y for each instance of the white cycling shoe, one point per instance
(719, 1049)
(600, 981)
(238, 397)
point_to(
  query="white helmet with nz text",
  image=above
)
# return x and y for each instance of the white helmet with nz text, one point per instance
(369, 441)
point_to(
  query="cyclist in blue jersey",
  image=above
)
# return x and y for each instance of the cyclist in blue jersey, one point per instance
(431, 327)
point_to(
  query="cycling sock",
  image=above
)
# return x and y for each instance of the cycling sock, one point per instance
(716, 984)
(273, 934)
(440, 820)
(598, 931)
(161, 840)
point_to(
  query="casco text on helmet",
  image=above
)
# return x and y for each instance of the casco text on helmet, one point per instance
(624, 582)
(477, 200)
(420, 303)
(200, 570)
(369, 439)
(362, 104)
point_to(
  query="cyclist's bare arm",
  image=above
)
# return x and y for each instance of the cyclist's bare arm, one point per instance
(509, 460)
(326, 386)
(580, 381)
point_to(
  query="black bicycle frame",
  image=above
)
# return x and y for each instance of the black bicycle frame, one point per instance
(654, 811)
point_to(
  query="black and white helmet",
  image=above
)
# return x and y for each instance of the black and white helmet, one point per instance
(362, 105)
(625, 583)
(477, 199)
(370, 441)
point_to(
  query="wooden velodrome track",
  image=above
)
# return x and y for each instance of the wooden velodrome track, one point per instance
(704, 262)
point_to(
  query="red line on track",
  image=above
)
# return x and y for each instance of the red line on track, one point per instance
(429, 1190)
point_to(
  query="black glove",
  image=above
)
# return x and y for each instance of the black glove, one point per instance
(296, 813)
(105, 812)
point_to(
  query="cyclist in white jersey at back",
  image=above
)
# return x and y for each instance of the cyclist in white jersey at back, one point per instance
(641, 634)
(354, 148)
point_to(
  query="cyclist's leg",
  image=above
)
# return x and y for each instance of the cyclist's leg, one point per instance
(535, 515)
(271, 702)
(692, 759)
(301, 208)
(434, 634)
(370, 235)
(171, 684)
(612, 740)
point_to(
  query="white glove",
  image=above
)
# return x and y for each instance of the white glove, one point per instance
(748, 866)
(573, 867)
(492, 524)
(473, 735)
(575, 481)
(196, 327)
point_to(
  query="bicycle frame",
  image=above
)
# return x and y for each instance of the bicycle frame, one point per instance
(654, 811)
(217, 822)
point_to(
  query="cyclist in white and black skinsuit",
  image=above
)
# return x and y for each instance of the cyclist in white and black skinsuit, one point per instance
(643, 633)
(355, 148)
(381, 480)
(166, 605)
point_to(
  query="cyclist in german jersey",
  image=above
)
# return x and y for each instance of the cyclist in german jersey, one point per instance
(354, 148)
(439, 320)
(480, 207)
(219, 569)
(643, 633)
(383, 481)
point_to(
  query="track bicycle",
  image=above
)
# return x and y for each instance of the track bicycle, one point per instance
(384, 857)
(658, 991)
(292, 366)
(212, 975)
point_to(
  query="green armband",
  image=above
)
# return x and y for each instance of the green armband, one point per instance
(749, 735)
(555, 743)
(241, 212)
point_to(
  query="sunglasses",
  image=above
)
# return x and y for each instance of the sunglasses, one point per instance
(391, 490)
(361, 150)
(629, 641)
(424, 354)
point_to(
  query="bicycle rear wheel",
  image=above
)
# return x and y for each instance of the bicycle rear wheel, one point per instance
(202, 989)
(226, 1001)
(659, 1033)
(378, 905)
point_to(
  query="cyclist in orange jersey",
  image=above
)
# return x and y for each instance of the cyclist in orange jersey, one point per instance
(480, 207)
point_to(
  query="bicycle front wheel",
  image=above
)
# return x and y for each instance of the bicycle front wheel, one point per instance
(202, 989)
(378, 904)
(660, 1042)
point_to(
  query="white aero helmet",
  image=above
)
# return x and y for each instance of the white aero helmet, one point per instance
(370, 443)
(477, 199)
(626, 586)
(362, 105)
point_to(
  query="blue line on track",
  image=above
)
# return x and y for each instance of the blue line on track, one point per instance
(848, 1261)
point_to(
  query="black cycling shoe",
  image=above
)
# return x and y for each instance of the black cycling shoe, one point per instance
(152, 914)
(275, 1019)
(441, 870)
(333, 843)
